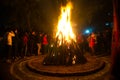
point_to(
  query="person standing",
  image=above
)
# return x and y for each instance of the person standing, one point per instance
(44, 44)
(32, 43)
(92, 43)
(15, 45)
(39, 41)
(10, 35)
(25, 44)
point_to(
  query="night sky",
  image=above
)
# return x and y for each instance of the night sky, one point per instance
(42, 15)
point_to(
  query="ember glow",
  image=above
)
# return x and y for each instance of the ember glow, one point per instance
(64, 32)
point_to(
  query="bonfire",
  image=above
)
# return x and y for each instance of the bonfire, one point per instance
(65, 50)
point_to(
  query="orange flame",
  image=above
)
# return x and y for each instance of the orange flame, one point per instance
(65, 33)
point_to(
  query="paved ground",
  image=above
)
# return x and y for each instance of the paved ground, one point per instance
(5, 73)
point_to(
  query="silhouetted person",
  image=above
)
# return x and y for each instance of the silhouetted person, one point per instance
(15, 45)
(39, 43)
(24, 45)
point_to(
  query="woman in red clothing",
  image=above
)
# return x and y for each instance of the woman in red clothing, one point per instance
(45, 44)
(45, 41)
(25, 44)
(92, 42)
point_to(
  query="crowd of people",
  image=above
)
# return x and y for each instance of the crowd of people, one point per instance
(96, 43)
(15, 44)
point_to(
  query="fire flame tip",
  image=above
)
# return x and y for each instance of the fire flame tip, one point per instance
(64, 25)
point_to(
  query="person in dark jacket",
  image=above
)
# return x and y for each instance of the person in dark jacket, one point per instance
(15, 45)
(39, 42)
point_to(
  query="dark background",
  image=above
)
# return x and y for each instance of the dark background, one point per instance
(42, 15)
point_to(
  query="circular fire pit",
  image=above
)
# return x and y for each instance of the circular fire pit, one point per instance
(91, 66)
(32, 68)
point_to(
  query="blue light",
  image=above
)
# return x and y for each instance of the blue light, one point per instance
(107, 24)
(87, 31)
